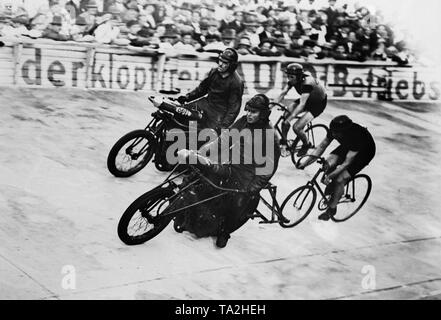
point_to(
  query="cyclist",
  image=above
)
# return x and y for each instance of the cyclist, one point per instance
(223, 88)
(356, 150)
(312, 102)
(243, 175)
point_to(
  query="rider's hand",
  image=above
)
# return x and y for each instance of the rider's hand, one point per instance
(183, 155)
(182, 99)
(326, 166)
(326, 180)
(302, 164)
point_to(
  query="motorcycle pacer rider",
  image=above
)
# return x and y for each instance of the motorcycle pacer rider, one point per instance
(219, 95)
(244, 175)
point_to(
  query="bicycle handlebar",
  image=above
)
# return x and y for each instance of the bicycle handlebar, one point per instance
(281, 106)
(175, 108)
(194, 168)
(320, 160)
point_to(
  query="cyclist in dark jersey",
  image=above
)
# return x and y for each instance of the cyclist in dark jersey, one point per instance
(356, 150)
(312, 102)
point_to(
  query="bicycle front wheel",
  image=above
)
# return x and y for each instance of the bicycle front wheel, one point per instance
(298, 205)
(315, 133)
(142, 220)
(357, 191)
(131, 153)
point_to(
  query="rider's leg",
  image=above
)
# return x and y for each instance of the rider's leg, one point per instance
(333, 160)
(300, 125)
(338, 187)
(285, 129)
(298, 128)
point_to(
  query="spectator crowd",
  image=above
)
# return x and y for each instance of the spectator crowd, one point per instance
(291, 28)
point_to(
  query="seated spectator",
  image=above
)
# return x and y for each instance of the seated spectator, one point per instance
(295, 48)
(250, 31)
(90, 14)
(309, 5)
(213, 31)
(280, 42)
(57, 9)
(326, 51)
(290, 12)
(286, 28)
(267, 48)
(186, 45)
(73, 10)
(168, 40)
(130, 13)
(236, 22)
(146, 17)
(380, 52)
(41, 20)
(229, 37)
(120, 5)
(340, 52)
(214, 43)
(160, 13)
(54, 30)
(79, 31)
(134, 34)
(269, 28)
(244, 46)
(107, 31)
(14, 13)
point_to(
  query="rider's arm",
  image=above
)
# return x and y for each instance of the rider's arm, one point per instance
(201, 89)
(317, 152)
(234, 103)
(283, 94)
(300, 106)
(350, 156)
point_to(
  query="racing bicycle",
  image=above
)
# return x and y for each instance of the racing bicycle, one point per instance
(315, 133)
(150, 213)
(301, 201)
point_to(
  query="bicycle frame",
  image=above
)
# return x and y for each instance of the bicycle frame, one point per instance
(313, 183)
(276, 215)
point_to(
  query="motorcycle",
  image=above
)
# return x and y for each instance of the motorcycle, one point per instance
(132, 152)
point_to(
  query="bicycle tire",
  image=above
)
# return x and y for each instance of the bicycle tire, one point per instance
(137, 136)
(147, 203)
(316, 133)
(298, 193)
(348, 197)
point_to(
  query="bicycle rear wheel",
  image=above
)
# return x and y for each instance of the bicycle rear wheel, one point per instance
(316, 133)
(357, 191)
(131, 153)
(142, 220)
(298, 205)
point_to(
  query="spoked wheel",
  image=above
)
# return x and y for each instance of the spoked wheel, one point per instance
(357, 192)
(316, 133)
(131, 153)
(298, 205)
(142, 220)
(323, 203)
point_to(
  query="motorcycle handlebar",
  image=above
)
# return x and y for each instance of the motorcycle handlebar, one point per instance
(176, 109)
